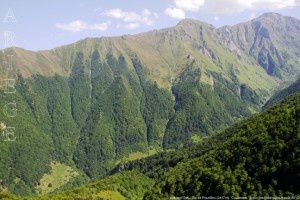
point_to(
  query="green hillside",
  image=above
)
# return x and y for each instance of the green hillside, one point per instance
(125, 185)
(91, 123)
(105, 101)
(255, 157)
(280, 95)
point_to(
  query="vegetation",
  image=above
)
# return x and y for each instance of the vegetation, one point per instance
(79, 90)
(112, 100)
(106, 112)
(255, 157)
(60, 175)
(137, 155)
(125, 185)
(24, 160)
(280, 95)
(202, 109)
(114, 127)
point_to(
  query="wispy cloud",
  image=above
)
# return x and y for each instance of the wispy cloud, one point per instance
(132, 26)
(175, 13)
(132, 19)
(235, 6)
(79, 25)
(189, 5)
(179, 7)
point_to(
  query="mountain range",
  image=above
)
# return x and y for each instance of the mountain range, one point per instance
(100, 102)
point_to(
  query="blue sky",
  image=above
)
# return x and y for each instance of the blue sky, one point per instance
(47, 24)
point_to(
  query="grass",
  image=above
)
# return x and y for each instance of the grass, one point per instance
(196, 138)
(137, 155)
(121, 186)
(110, 195)
(60, 175)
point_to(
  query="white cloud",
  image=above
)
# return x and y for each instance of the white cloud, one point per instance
(132, 19)
(235, 6)
(100, 27)
(175, 13)
(74, 26)
(146, 12)
(189, 5)
(227, 6)
(118, 13)
(216, 18)
(78, 25)
(180, 6)
(132, 26)
(273, 4)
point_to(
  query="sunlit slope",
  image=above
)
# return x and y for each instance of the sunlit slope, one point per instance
(250, 51)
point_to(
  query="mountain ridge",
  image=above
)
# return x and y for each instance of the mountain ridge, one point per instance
(98, 101)
(152, 43)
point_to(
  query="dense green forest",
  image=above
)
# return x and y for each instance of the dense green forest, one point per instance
(125, 185)
(201, 109)
(88, 110)
(106, 110)
(258, 156)
(171, 112)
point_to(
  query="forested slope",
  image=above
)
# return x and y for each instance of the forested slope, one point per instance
(104, 112)
(256, 157)
(93, 103)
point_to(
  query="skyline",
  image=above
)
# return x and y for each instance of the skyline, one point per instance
(39, 26)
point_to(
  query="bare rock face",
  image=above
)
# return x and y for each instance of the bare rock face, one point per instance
(272, 40)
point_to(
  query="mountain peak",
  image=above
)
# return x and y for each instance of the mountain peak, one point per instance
(270, 15)
(274, 17)
(192, 22)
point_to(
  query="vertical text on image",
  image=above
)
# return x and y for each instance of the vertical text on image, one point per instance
(10, 108)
